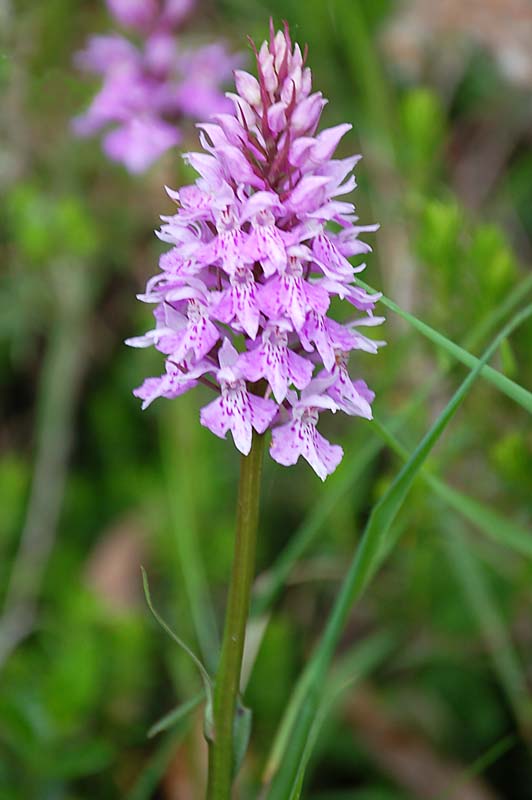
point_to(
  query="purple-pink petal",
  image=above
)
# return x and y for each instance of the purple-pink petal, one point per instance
(301, 438)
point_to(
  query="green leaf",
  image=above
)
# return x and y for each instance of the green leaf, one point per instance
(512, 390)
(499, 528)
(241, 734)
(366, 561)
(295, 794)
(270, 584)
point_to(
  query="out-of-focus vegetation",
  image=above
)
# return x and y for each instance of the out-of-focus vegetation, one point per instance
(431, 689)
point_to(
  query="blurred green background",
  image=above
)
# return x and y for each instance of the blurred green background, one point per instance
(91, 487)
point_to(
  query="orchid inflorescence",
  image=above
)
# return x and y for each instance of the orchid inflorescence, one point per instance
(243, 295)
(150, 85)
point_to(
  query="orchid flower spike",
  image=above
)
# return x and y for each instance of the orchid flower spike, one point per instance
(260, 244)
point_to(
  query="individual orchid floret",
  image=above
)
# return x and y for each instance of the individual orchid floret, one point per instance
(238, 303)
(178, 379)
(352, 397)
(260, 246)
(288, 294)
(236, 409)
(150, 87)
(273, 360)
(300, 437)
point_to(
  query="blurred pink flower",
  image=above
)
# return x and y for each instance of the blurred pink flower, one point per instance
(148, 89)
(145, 15)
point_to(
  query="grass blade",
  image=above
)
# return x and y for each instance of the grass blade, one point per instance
(511, 389)
(271, 583)
(175, 715)
(491, 756)
(205, 677)
(157, 765)
(356, 664)
(494, 525)
(365, 563)
(476, 589)
(178, 438)
(207, 683)
(491, 523)
(491, 624)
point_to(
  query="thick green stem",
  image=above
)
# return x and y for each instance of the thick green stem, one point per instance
(221, 755)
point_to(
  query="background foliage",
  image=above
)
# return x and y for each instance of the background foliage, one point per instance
(429, 696)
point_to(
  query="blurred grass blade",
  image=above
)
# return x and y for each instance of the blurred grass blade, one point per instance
(494, 525)
(178, 439)
(273, 581)
(491, 623)
(511, 389)
(366, 561)
(295, 794)
(481, 764)
(174, 716)
(498, 314)
(359, 662)
(157, 765)
(283, 737)
(499, 528)
(207, 682)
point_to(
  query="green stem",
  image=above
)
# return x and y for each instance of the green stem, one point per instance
(221, 751)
